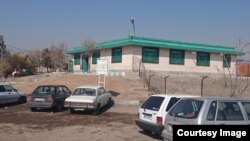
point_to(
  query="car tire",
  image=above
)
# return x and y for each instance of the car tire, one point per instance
(110, 102)
(97, 110)
(22, 100)
(33, 109)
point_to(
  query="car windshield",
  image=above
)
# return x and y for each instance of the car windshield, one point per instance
(85, 91)
(188, 108)
(153, 103)
(44, 90)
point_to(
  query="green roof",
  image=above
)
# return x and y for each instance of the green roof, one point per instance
(160, 43)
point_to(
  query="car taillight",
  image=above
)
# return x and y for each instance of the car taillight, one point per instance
(66, 103)
(159, 120)
(49, 99)
(29, 98)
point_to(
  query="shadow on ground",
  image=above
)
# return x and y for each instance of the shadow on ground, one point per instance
(154, 136)
(113, 93)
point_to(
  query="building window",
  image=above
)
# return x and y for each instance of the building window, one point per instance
(116, 55)
(76, 59)
(227, 61)
(203, 59)
(177, 57)
(95, 56)
(150, 55)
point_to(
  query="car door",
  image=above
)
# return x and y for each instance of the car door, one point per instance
(100, 97)
(3, 95)
(105, 96)
(12, 94)
(225, 112)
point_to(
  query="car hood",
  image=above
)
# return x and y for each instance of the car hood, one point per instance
(80, 99)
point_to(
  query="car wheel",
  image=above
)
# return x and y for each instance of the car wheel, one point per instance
(110, 102)
(22, 99)
(33, 109)
(72, 111)
(97, 110)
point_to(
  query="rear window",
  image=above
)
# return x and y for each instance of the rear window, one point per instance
(246, 106)
(188, 108)
(153, 103)
(44, 90)
(85, 91)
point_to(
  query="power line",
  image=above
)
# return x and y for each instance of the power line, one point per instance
(25, 50)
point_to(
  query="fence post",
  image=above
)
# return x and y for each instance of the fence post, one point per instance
(203, 77)
(149, 80)
(166, 83)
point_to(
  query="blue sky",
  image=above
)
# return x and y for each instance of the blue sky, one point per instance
(31, 24)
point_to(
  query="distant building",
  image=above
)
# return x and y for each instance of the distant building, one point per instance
(134, 53)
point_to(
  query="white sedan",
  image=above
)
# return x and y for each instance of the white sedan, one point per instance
(88, 98)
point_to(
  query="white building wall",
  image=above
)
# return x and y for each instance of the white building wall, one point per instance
(131, 57)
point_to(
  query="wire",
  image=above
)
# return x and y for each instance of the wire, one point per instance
(25, 50)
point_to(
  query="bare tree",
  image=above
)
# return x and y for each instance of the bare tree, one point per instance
(90, 46)
(230, 76)
(58, 55)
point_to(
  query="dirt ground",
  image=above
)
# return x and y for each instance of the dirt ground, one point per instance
(116, 123)
(118, 85)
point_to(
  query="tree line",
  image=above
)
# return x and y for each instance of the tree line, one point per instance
(51, 58)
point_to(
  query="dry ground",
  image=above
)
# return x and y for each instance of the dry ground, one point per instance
(118, 85)
(113, 124)
(116, 123)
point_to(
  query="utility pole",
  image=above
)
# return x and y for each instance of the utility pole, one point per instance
(2, 47)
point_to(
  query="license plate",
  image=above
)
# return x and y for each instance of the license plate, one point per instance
(77, 104)
(39, 99)
(149, 117)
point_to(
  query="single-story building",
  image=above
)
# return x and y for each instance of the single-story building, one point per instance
(134, 53)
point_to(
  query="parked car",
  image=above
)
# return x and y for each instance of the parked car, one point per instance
(48, 96)
(9, 94)
(152, 112)
(88, 98)
(207, 111)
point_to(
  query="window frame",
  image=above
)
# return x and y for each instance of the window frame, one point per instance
(95, 56)
(114, 50)
(76, 59)
(198, 58)
(226, 60)
(176, 52)
(156, 61)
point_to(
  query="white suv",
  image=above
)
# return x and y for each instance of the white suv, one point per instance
(152, 112)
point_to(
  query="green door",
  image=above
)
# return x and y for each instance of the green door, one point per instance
(85, 63)
(70, 65)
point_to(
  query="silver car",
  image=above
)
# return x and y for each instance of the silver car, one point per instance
(207, 111)
(9, 94)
